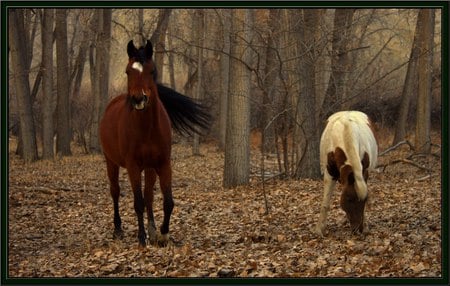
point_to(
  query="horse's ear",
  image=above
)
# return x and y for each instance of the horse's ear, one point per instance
(347, 177)
(148, 50)
(339, 157)
(365, 162)
(131, 49)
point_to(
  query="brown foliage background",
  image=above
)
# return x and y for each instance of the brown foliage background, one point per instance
(61, 222)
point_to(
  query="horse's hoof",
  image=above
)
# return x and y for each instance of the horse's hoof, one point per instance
(152, 236)
(118, 234)
(317, 230)
(163, 240)
(142, 243)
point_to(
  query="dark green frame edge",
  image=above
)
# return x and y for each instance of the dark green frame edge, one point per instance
(225, 4)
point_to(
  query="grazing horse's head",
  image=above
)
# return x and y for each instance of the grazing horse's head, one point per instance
(141, 74)
(350, 202)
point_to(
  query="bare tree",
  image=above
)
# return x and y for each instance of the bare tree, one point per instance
(199, 28)
(63, 132)
(47, 84)
(271, 81)
(159, 40)
(410, 86)
(340, 61)
(141, 26)
(237, 149)
(307, 164)
(28, 26)
(22, 87)
(225, 75)
(425, 62)
(100, 73)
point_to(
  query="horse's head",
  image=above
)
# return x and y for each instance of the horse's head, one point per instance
(350, 202)
(141, 75)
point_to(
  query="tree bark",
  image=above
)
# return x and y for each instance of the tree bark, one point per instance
(409, 87)
(340, 60)
(141, 26)
(22, 87)
(225, 76)
(308, 152)
(47, 84)
(425, 62)
(100, 77)
(63, 132)
(158, 40)
(270, 83)
(199, 19)
(237, 148)
(28, 26)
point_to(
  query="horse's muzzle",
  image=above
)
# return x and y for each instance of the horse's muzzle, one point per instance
(139, 103)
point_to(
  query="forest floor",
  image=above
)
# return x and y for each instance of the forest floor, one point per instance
(60, 222)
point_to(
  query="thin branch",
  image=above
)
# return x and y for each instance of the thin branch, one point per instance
(396, 146)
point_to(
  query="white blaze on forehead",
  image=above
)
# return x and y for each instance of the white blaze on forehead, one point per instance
(137, 66)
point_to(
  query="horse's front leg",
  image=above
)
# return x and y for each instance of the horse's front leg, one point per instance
(114, 188)
(134, 175)
(150, 178)
(328, 188)
(165, 180)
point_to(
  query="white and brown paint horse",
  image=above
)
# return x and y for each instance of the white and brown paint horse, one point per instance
(348, 149)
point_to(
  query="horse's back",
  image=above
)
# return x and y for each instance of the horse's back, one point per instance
(349, 129)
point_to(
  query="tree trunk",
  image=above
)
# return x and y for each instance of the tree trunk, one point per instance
(141, 26)
(237, 148)
(158, 40)
(171, 62)
(199, 18)
(409, 87)
(28, 26)
(340, 60)
(22, 86)
(425, 62)
(47, 84)
(271, 82)
(308, 152)
(225, 76)
(63, 132)
(100, 77)
(80, 61)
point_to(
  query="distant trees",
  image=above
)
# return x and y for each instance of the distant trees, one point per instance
(280, 78)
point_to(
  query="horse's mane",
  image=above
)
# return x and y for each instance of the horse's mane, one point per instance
(186, 115)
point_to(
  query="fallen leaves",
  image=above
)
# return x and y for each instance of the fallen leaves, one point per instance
(61, 225)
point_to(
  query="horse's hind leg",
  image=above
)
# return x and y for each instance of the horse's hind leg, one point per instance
(114, 188)
(165, 180)
(150, 178)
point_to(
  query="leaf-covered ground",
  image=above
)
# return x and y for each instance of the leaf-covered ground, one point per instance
(61, 223)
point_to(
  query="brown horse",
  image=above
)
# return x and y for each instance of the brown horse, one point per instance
(136, 134)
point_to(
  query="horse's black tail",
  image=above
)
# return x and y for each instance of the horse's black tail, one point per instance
(186, 115)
